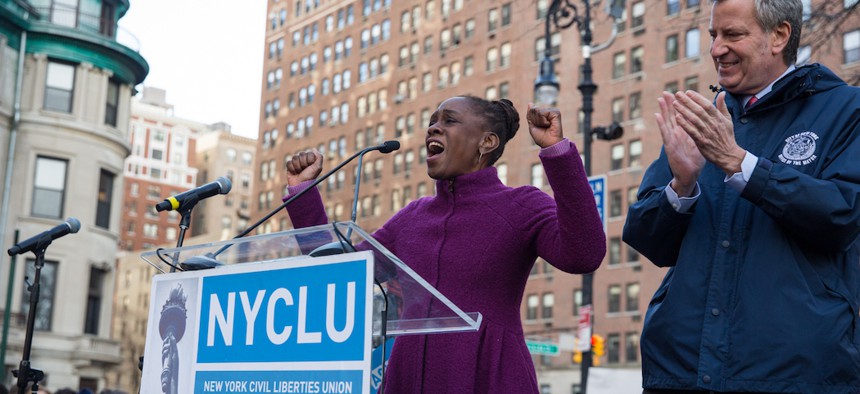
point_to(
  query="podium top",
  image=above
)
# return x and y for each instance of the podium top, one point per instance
(413, 305)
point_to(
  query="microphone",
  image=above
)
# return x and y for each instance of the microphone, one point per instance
(71, 225)
(208, 260)
(221, 185)
(386, 147)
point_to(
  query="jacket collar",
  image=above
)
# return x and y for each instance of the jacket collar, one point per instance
(467, 184)
(803, 82)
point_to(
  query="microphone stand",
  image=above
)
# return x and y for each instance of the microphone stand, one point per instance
(25, 373)
(358, 175)
(184, 223)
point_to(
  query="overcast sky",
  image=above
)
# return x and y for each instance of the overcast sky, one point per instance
(207, 55)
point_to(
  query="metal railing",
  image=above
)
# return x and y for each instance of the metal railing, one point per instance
(96, 24)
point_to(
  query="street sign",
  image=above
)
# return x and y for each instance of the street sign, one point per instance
(598, 187)
(547, 348)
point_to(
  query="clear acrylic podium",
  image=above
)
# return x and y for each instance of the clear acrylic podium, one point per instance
(414, 306)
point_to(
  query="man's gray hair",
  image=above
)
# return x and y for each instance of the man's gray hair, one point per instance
(771, 13)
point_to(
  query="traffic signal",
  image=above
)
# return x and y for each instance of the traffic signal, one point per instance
(597, 345)
(577, 358)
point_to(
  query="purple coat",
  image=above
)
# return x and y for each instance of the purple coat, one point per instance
(476, 242)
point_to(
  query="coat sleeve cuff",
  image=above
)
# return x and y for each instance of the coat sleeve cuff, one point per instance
(292, 190)
(557, 149)
(758, 180)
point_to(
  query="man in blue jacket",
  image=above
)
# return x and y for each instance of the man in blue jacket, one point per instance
(754, 204)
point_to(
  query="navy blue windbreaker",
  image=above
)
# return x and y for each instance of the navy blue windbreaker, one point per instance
(763, 289)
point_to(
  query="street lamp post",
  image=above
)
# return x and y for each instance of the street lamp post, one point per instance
(563, 14)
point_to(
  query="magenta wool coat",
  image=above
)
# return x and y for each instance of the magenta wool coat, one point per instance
(476, 242)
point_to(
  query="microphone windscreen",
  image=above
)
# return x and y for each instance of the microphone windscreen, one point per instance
(225, 184)
(74, 225)
(390, 146)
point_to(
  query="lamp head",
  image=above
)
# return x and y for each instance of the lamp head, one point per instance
(546, 84)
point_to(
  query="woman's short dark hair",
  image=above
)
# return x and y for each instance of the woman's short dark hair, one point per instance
(502, 119)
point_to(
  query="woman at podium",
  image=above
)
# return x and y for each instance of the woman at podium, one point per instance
(476, 241)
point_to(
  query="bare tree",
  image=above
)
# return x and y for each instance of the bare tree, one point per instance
(825, 25)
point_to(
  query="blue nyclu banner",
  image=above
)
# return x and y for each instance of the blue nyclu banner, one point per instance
(288, 326)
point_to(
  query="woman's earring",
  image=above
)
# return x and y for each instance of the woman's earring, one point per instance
(480, 156)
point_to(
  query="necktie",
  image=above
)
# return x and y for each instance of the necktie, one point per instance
(750, 103)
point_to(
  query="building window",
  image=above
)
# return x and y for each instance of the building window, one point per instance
(94, 301)
(614, 251)
(492, 59)
(632, 301)
(617, 157)
(47, 289)
(112, 102)
(64, 12)
(619, 63)
(614, 299)
(851, 46)
(692, 41)
(502, 171)
(691, 83)
(555, 46)
(542, 7)
(548, 302)
(532, 304)
(615, 203)
(505, 57)
(49, 187)
(635, 152)
(613, 349)
(150, 230)
(636, 55)
(672, 48)
(59, 87)
(618, 109)
(673, 7)
(537, 176)
(506, 14)
(632, 254)
(634, 103)
(671, 87)
(577, 301)
(491, 93)
(638, 14)
(104, 199)
(631, 347)
(492, 20)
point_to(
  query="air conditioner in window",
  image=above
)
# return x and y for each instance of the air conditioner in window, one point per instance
(398, 98)
(332, 122)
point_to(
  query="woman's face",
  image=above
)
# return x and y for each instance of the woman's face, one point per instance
(453, 138)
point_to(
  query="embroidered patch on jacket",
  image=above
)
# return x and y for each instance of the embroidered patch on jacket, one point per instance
(799, 149)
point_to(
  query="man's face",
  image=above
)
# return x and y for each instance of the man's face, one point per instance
(746, 57)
